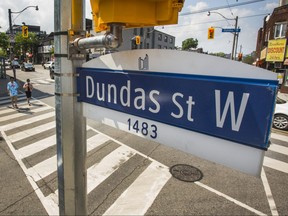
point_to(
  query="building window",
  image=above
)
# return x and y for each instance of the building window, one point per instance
(166, 38)
(141, 32)
(148, 33)
(171, 40)
(147, 46)
(159, 47)
(267, 35)
(280, 30)
(135, 31)
(160, 37)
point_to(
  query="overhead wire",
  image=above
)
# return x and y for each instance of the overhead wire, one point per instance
(220, 7)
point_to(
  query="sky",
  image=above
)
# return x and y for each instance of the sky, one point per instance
(192, 23)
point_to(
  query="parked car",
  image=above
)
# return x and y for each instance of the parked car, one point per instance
(52, 71)
(7, 64)
(15, 64)
(27, 67)
(280, 120)
(48, 65)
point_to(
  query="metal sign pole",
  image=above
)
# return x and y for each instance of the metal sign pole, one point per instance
(70, 123)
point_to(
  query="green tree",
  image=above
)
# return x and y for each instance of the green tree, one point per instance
(220, 54)
(4, 43)
(24, 45)
(189, 43)
(249, 59)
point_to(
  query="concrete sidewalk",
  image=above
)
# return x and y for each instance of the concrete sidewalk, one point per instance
(17, 197)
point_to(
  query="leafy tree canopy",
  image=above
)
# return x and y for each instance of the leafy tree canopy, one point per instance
(24, 45)
(189, 43)
(4, 43)
(220, 54)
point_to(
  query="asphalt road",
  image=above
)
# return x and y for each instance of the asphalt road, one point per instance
(130, 175)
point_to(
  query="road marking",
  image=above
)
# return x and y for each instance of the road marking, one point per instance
(268, 192)
(48, 166)
(19, 114)
(8, 100)
(109, 164)
(279, 137)
(96, 141)
(37, 147)
(27, 122)
(43, 169)
(32, 131)
(47, 203)
(275, 164)
(278, 148)
(139, 196)
(243, 205)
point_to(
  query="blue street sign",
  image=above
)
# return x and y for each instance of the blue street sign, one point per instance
(225, 107)
(231, 30)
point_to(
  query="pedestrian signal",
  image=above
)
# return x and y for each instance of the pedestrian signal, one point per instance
(25, 31)
(137, 40)
(211, 33)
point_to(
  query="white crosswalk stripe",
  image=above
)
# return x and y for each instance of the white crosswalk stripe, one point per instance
(7, 100)
(27, 122)
(276, 164)
(43, 81)
(33, 131)
(273, 163)
(99, 172)
(36, 147)
(145, 187)
(19, 114)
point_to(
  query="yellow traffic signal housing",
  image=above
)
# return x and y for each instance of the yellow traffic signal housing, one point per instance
(137, 40)
(211, 31)
(25, 31)
(135, 13)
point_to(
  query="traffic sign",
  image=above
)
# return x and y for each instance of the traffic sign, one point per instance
(209, 111)
(231, 30)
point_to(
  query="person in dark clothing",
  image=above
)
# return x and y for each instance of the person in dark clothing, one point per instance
(28, 87)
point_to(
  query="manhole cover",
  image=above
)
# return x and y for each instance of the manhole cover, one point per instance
(186, 173)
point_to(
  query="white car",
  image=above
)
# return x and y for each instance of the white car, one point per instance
(48, 65)
(280, 120)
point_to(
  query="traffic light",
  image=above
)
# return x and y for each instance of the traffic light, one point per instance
(211, 33)
(137, 39)
(25, 31)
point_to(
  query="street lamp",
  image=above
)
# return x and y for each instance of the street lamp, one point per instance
(235, 32)
(18, 12)
(11, 32)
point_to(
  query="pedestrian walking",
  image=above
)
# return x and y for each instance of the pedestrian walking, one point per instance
(12, 88)
(28, 87)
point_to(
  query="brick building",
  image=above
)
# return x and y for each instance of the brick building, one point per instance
(271, 48)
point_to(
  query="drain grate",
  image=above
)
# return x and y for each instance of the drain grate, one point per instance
(186, 173)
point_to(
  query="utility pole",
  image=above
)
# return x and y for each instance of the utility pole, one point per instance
(234, 39)
(12, 34)
(11, 46)
(70, 123)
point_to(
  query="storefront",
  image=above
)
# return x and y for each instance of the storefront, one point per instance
(277, 61)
